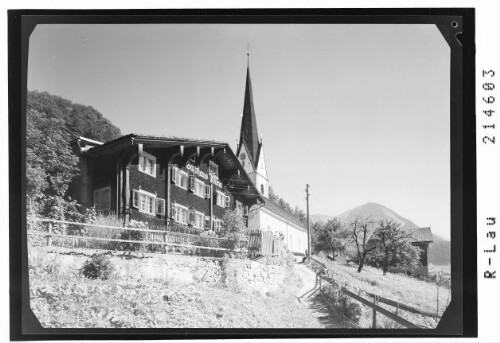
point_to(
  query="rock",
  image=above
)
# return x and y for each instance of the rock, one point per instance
(200, 275)
(181, 278)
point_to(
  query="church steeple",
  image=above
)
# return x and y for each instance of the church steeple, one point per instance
(249, 135)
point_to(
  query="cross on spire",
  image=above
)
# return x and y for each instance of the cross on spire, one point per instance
(248, 54)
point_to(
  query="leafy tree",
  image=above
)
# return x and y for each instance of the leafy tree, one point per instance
(332, 237)
(272, 195)
(358, 233)
(77, 120)
(233, 229)
(50, 164)
(393, 247)
(300, 214)
(281, 203)
(52, 123)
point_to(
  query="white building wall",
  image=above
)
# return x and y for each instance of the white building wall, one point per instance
(295, 239)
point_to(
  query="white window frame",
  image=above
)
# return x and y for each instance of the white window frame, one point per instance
(162, 209)
(102, 190)
(137, 203)
(199, 218)
(178, 174)
(177, 214)
(144, 156)
(207, 191)
(199, 188)
(212, 164)
(220, 199)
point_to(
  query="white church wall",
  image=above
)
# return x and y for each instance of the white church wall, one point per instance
(259, 181)
(295, 239)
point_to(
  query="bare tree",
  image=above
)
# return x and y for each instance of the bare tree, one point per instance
(358, 232)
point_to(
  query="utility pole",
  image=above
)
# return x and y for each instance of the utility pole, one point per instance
(308, 226)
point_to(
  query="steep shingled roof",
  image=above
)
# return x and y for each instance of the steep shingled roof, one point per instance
(276, 209)
(248, 134)
(421, 234)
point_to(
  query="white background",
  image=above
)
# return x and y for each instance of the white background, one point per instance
(488, 57)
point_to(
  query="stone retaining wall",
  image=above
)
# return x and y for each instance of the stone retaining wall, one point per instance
(179, 269)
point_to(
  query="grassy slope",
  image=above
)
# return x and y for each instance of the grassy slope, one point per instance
(70, 300)
(407, 290)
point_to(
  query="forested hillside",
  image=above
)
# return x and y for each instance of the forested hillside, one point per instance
(78, 120)
(51, 124)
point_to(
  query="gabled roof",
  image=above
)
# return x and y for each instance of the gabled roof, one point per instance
(155, 139)
(418, 235)
(276, 209)
(248, 134)
(421, 234)
(223, 152)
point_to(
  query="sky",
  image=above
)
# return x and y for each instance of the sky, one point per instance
(359, 112)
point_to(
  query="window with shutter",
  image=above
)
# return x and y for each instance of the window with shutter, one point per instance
(207, 191)
(228, 201)
(144, 201)
(147, 164)
(135, 198)
(97, 199)
(199, 188)
(213, 169)
(160, 206)
(182, 179)
(191, 217)
(174, 174)
(220, 199)
(199, 218)
(102, 198)
(181, 214)
(192, 181)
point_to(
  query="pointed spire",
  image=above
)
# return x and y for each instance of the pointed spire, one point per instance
(249, 135)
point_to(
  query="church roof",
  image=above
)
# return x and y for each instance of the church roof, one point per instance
(277, 210)
(249, 135)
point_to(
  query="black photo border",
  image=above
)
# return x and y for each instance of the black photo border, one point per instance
(459, 320)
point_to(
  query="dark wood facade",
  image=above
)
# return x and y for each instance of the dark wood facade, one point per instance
(116, 167)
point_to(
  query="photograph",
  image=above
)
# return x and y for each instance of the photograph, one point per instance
(240, 175)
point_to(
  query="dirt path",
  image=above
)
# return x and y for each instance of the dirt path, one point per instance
(307, 296)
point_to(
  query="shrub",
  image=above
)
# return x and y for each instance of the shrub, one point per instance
(43, 263)
(98, 267)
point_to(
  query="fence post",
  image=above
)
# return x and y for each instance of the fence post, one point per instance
(165, 241)
(437, 297)
(374, 318)
(49, 235)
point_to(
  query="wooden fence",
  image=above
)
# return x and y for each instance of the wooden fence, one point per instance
(74, 232)
(319, 267)
(264, 243)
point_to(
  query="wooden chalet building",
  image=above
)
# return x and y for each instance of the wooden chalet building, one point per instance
(188, 182)
(164, 180)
